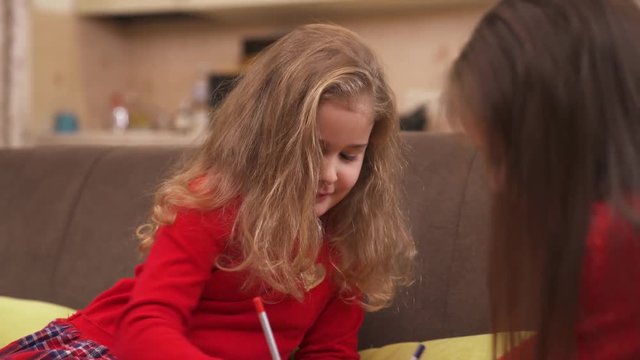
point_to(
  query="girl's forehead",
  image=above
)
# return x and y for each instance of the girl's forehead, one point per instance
(347, 119)
(362, 103)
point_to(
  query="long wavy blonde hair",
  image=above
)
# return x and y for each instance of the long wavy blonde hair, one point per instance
(263, 148)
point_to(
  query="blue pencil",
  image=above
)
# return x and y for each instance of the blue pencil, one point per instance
(418, 353)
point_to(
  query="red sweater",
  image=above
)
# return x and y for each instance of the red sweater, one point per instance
(179, 306)
(609, 314)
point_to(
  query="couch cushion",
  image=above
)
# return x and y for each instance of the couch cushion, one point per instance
(447, 209)
(40, 188)
(477, 347)
(21, 317)
(67, 216)
(66, 226)
(116, 198)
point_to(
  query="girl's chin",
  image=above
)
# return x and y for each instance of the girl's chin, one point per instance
(321, 208)
(320, 212)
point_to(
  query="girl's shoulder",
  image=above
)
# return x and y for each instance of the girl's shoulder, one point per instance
(608, 219)
(218, 221)
(612, 244)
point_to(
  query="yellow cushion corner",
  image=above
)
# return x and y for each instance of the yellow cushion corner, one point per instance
(20, 317)
(476, 347)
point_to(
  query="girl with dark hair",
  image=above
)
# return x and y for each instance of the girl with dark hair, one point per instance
(550, 92)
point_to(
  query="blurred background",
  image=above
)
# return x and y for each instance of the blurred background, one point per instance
(142, 72)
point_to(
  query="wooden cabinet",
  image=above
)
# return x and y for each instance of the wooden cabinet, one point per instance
(157, 49)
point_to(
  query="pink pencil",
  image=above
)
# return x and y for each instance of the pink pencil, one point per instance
(266, 328)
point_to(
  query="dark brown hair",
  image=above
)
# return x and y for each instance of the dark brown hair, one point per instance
(553, 90)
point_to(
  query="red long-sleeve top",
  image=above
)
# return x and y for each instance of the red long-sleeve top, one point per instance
(608, 324)
(179, 306)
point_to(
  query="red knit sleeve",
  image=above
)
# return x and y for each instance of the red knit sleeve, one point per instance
(335, 333)
(608, 324)
(609, 314)
(168, 289)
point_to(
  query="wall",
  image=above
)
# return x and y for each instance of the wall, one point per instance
(78, 63)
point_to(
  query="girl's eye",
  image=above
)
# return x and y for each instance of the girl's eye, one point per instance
(348, 157)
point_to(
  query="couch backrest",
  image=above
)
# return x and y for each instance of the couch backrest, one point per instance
(447, 207)
(67, 217)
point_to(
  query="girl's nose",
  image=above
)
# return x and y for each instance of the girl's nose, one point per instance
(328, 173)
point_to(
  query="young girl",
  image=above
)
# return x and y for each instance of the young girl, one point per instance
(293, 197)
(550, 91)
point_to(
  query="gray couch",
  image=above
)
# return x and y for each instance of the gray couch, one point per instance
(67, 216)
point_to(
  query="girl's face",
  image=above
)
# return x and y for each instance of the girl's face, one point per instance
(344, 127)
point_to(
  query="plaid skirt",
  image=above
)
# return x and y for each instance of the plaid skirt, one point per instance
(58, 340)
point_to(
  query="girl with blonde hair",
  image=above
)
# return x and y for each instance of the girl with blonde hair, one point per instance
(293, 197)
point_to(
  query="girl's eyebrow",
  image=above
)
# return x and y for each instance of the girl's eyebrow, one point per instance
(355, 146)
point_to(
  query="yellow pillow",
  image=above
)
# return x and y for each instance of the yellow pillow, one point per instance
(477, 347)
(20, 317)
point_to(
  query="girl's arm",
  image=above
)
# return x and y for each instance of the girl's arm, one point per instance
(334, 334)
(169, 287)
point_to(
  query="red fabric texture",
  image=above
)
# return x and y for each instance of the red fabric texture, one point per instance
(609, 307)
(179, 306)
(56, 341)
(609, 318)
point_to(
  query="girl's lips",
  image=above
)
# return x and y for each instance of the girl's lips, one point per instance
(322, 195)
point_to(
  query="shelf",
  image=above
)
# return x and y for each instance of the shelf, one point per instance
(261, 8)
(127, 138)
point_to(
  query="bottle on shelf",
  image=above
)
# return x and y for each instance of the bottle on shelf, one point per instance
(183, 120)
(193, 115)
(119, 113)
(200, 104)
(139, 114)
